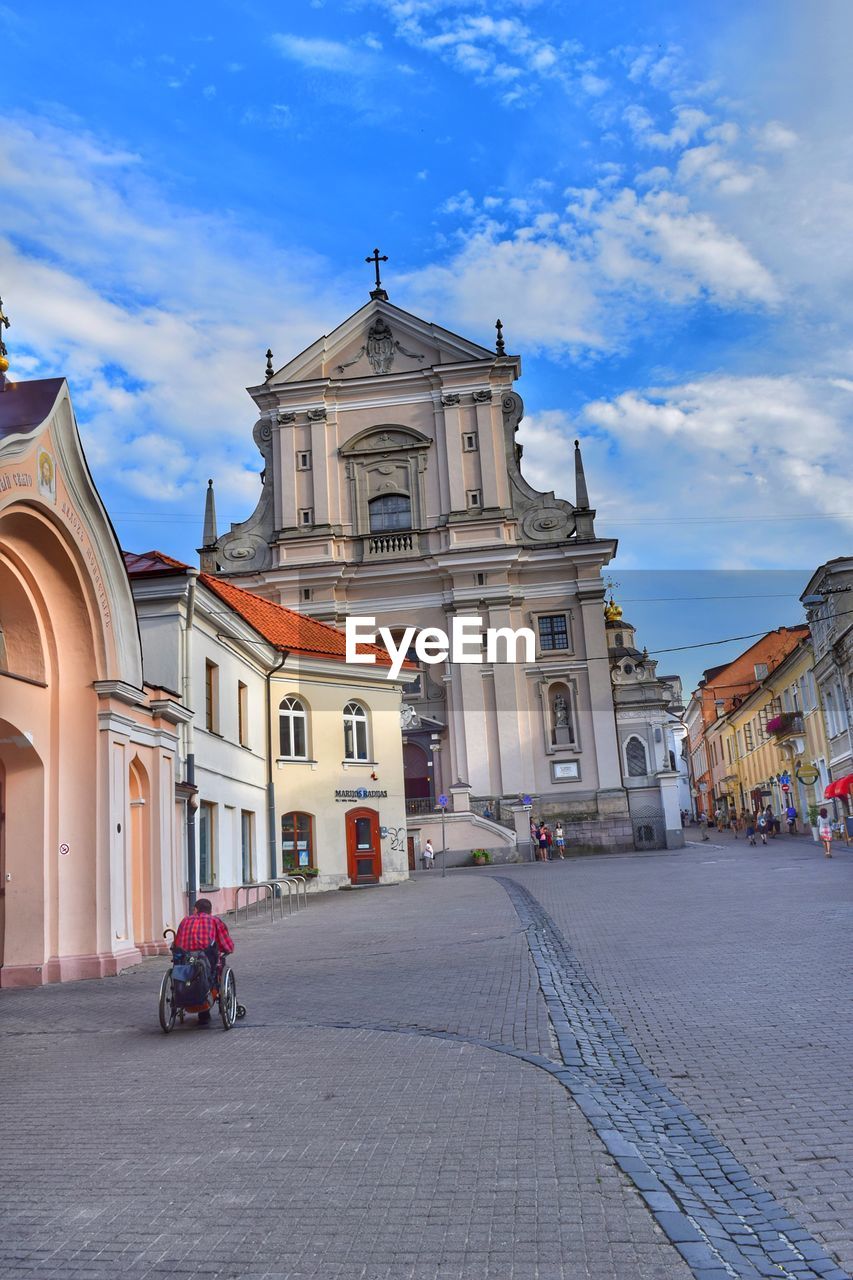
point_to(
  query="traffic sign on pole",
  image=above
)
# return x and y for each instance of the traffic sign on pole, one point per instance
(442, 802)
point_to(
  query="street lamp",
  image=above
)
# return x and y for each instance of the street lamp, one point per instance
(435, 747)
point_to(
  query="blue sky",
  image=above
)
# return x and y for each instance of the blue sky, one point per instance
(656, 198)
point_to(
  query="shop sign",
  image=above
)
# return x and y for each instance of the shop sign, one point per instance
(359, 793)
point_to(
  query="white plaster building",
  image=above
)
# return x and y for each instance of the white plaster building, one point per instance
(392, 487)
(296, 755)
(644, 703)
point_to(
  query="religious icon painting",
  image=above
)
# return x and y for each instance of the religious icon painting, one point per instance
(46, 471)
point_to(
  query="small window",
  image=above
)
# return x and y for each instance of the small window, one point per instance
(469, 442)
(293, 729)
(297, 841)
(481, 579)
(553, 632)
(306, 515)
(306, 593)
(635, 758)
(303, 460)
(211, 697)
(242, 714)
(206, 844)
(475, 499)
(355, 732)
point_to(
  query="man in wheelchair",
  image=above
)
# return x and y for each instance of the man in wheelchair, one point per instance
(205, 937)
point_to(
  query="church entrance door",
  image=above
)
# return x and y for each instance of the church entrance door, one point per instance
(364, 855)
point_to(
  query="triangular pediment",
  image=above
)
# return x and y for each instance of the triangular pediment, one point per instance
(379, 340)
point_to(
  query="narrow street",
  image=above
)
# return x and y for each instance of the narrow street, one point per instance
(612, 1067)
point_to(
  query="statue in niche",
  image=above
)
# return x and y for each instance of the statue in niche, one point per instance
(562, 731)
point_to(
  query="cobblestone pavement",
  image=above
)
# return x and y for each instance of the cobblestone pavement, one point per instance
(396, 1104)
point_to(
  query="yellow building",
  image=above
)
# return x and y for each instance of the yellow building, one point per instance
(775, 733)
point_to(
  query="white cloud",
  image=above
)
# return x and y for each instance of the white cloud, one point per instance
(325, 55)
(159, 315)
(707, 471)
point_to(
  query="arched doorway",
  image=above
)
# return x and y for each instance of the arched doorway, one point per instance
(364, 853)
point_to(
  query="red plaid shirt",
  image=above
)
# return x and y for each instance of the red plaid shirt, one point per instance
(198, 932)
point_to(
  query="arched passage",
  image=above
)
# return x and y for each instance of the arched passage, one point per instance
(22, 808)
(54, 654)
(140, 852)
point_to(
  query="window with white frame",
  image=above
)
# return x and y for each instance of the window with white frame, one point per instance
(475, 499)
(469, 441)
(355, 732)
(636, 760)
(206, 844)
(306, 515)
(293, 729)
(303, 460)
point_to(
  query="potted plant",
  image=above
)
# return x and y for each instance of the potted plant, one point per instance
(481, 857)
(813, 822)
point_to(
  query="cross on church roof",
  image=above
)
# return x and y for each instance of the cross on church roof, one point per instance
(378, 292)
(4, 362)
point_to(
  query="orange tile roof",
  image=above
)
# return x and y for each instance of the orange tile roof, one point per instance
(287, 630)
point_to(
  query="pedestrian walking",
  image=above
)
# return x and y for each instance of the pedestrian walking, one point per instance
(550, 845)
(734, 824)
(791, 819)
(772, 822)
(560, 841)
(750, 829)
(703, 823)
(428, 856)
(534, 840)
(543, 842)
(824, 830)
(718, 818)
(761, 825)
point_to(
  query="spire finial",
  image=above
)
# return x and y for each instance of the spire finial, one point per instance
(375, 258)
(269, 370)
(500, 347)
(4, 354)
(208, 537)
(581, 495)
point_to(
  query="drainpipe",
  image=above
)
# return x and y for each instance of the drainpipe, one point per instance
(189, 766)
(271, 831)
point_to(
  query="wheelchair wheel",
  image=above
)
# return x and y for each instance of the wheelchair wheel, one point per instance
(228, 999)
(168, 1009)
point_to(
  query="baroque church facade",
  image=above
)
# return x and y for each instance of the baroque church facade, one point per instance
(392, 487)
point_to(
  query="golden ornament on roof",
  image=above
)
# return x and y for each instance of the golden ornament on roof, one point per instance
(612, 611)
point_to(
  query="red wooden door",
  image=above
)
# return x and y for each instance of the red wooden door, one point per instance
(364, 855)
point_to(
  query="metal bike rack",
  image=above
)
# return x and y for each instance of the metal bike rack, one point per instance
(257, 887)
(298, 880)
(292, 886)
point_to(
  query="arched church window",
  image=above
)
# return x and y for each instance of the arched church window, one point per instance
(355, 732)
(390, 511)
(635, 758)
(4, 657)
(293, 729)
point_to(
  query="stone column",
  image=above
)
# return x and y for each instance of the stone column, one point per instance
(452, 485)
(591, 597)
(492, 462)
(320, 465)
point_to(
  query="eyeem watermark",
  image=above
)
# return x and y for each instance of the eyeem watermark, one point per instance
(432, 645)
